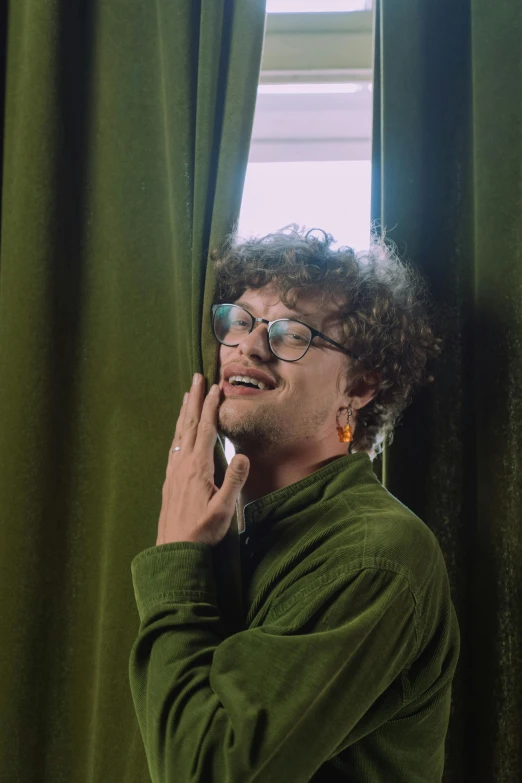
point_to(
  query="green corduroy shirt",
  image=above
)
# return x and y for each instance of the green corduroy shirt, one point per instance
(343, 671)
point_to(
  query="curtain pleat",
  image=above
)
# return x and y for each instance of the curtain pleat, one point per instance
(447, 189)
(125, 143)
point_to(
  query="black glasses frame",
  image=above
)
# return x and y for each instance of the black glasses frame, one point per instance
(315, 332)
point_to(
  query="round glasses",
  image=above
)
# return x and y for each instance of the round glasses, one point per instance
(288, 339)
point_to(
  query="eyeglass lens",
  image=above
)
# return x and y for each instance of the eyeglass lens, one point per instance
(288, 339)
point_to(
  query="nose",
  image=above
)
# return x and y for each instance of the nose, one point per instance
(256, 343)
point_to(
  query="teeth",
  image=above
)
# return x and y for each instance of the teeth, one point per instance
(246, 379)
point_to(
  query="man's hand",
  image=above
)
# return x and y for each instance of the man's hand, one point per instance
(193, 508)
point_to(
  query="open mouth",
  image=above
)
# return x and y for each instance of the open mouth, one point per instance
(243, 388)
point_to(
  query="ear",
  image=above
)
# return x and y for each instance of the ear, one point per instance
(365, 390)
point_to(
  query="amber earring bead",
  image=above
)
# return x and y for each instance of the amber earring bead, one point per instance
(345, 434)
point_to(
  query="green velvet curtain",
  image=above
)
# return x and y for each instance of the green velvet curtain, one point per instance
(126, 129)
(447, 187)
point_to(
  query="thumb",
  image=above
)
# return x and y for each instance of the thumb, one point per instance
(235, 477)
(239, 469)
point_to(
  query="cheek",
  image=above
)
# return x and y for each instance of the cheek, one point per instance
(226, 354)
(316, 390)
(222, 355)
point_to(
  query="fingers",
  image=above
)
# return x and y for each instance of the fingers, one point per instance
(194, 406)
(207, 430)
(178, 435)
(200, 428)
(197, 424)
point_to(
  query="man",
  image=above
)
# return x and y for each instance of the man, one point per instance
(344, 669)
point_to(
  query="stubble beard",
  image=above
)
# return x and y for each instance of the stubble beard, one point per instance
(263, 427)
(256, 427)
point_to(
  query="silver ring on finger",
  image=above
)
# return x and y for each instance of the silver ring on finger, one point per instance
(176, 448)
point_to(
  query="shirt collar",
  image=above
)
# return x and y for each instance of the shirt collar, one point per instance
(321, 485)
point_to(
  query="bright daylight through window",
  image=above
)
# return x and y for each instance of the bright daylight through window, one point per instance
(310, 152)
(304, 6)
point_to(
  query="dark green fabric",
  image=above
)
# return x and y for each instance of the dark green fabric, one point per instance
(344, 668)
(122, 158)
(126, 137)
(447, 186)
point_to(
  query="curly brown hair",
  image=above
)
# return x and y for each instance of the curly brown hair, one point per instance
(388, 320)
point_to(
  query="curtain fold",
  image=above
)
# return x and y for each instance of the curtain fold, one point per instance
(447, 185)
(125, 143)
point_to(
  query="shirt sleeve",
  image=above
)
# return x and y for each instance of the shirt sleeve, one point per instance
(270, 703)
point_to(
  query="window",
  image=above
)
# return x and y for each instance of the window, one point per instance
(310, 154)
(304, 6)
(332, 195)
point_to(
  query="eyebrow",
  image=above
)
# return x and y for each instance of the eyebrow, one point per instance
(311, 319)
